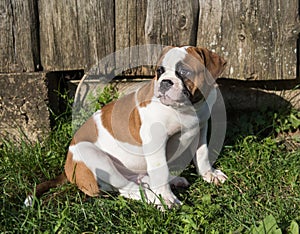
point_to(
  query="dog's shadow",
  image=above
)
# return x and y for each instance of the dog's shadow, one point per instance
(252, 111)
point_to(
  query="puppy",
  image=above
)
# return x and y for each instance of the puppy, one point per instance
(138, 144)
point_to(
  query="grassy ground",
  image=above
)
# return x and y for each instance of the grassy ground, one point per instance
(260, 157)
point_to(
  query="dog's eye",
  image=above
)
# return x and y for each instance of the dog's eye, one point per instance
(160, 70)
(184, 72)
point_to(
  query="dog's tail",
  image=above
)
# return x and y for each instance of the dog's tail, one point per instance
(46, 186)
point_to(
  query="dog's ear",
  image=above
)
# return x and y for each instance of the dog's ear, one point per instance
(214, 63)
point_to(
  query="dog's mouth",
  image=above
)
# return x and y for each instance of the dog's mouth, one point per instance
(165, 99)
(179, 100)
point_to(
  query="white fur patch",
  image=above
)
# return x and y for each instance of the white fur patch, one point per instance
(76, 153)
(173, 56)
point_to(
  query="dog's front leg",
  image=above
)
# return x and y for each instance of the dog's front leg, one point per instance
(204, 163)
(157, 169)
(159, 175)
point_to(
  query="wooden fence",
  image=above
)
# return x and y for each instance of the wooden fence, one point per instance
(258, 38)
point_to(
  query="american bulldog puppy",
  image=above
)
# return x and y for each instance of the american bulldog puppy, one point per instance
(133, 145)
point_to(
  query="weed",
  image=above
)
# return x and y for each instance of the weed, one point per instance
(103, 96)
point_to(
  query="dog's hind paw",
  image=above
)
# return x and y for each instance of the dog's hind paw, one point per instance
(215, 176)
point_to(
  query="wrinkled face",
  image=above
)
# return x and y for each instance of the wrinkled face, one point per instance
(183, 76)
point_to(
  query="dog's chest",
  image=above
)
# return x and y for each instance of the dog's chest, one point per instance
(155, 118)
(173, 120)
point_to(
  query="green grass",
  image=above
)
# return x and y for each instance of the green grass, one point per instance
(263, 182)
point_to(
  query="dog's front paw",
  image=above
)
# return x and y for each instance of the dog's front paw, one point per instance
(164, 198)
(215, 176)
(169, 200)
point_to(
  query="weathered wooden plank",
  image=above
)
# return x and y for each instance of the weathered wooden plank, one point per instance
(19, 36)
(171, 22)
(130, 17)
(75, 34)
(130, 22)
(257, 38)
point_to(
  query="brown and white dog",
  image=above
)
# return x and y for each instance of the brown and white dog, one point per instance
(134, 144)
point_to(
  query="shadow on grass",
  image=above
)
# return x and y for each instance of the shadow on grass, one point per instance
(254, 112)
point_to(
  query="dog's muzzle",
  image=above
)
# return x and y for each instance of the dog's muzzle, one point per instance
(165, 85)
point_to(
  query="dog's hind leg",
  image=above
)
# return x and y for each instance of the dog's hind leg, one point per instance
(105, 170)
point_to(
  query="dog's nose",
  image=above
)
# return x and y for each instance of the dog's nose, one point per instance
(165, 85)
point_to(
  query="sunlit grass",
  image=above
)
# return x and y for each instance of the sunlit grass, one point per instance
(263, 180)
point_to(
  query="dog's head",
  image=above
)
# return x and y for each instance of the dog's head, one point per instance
(186, 74)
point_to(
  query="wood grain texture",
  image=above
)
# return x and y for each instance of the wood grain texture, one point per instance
(75, 34)
(130, 17)
(171, 22)
(19, 36)
(257, 38)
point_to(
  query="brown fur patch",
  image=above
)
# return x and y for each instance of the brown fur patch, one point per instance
(145, 94)
(87, 132)
(81, 175)
(106, 117)
(202, 82)
(214, 63)
(197, 85)
(122, 120)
